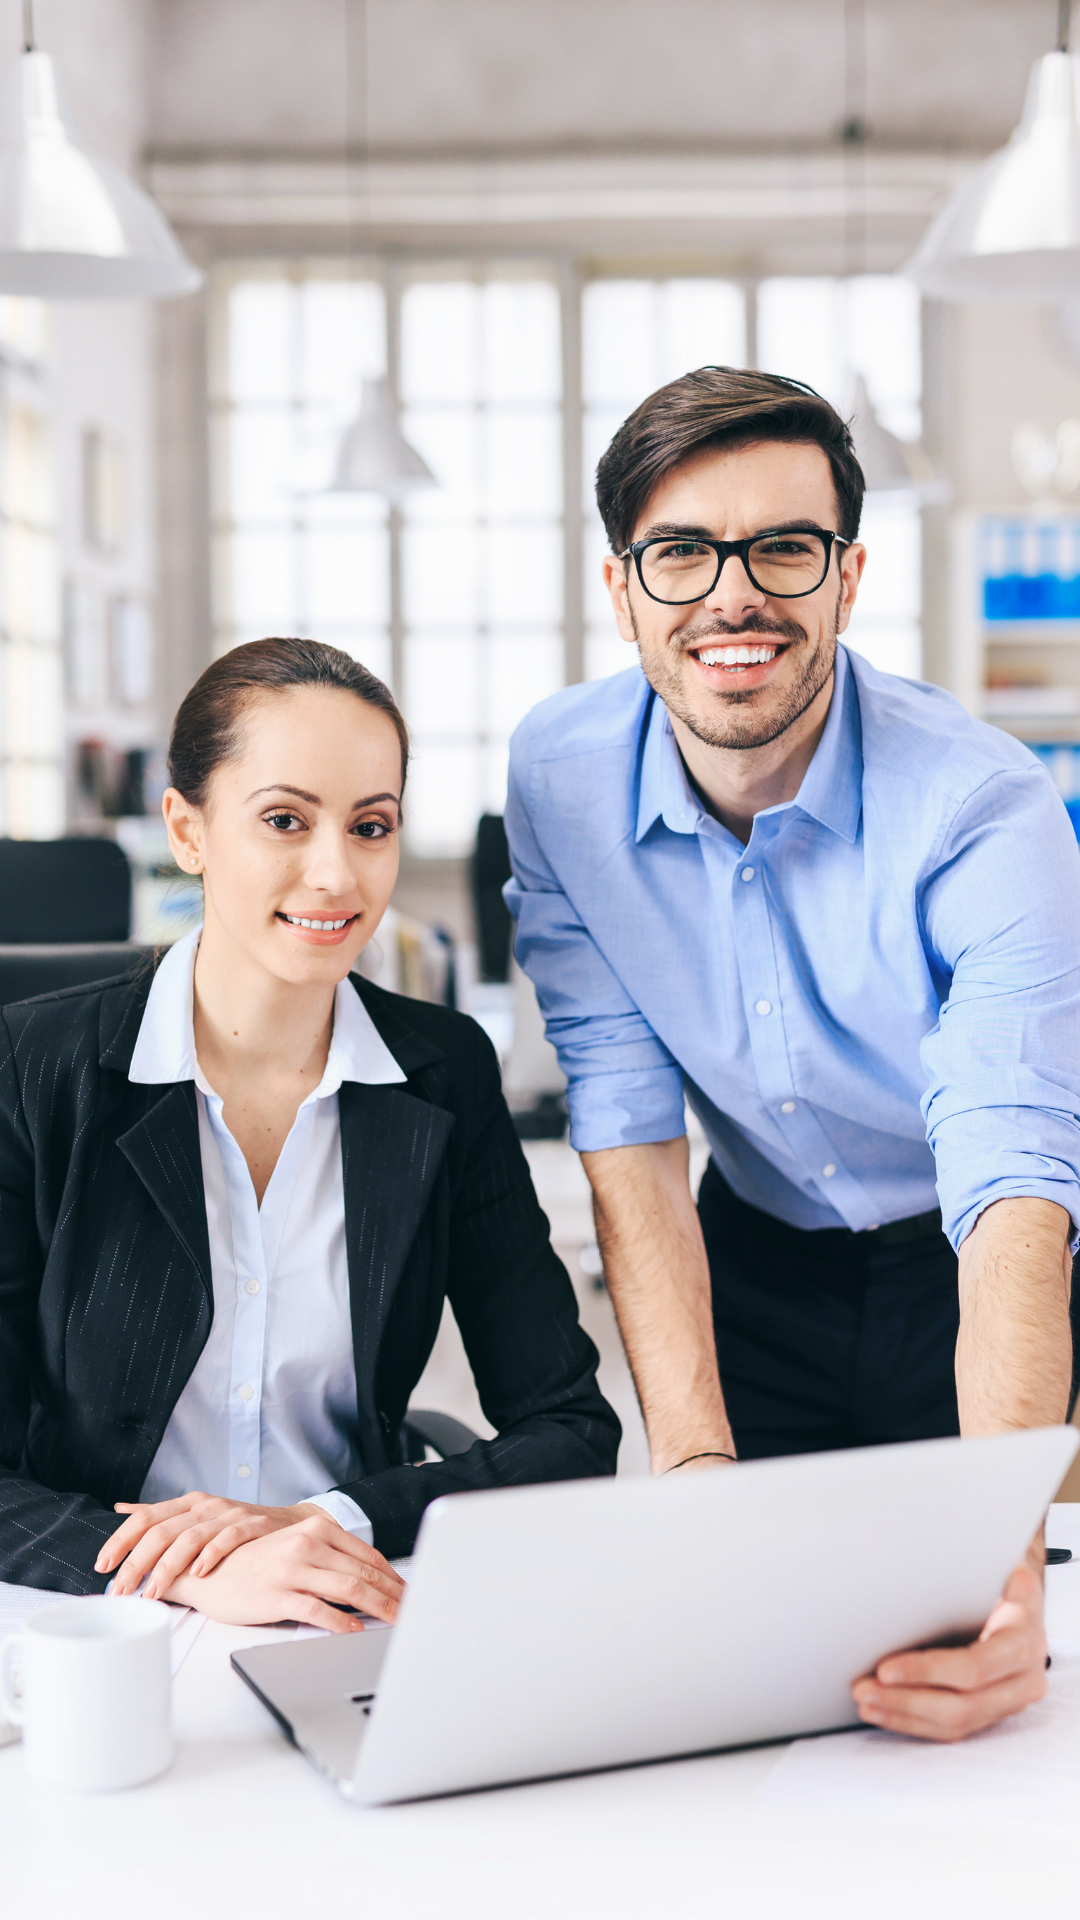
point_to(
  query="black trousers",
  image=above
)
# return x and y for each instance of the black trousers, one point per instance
(830, 1338)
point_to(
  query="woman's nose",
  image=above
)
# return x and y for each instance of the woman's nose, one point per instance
(328, 868)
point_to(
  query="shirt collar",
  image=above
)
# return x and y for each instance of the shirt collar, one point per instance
(165, 1047)
(831, 791)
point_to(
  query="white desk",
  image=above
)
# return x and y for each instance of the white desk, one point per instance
(243, 1826)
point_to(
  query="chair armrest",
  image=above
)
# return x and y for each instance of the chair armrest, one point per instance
(438, 1430)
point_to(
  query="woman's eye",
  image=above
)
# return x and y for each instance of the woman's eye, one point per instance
(372, 830)
(282, 822)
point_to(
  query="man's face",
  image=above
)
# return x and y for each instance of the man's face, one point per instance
(728, 494)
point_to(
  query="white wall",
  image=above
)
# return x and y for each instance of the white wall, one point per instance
(102, 358)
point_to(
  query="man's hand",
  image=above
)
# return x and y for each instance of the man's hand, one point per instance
(197, 1531)
(945, 1693)
(303, 1572)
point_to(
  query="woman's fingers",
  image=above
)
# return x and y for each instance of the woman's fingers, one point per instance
(226, 1542)
(196, 1542)
(336, 1574)
(142, 1515)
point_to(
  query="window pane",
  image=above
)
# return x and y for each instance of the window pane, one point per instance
(439, 341)
(259, 451)
(702, 323)
(524, 574)
(260, 340)
(441, 684)
(346, 575)
(442, 575)
(618, 342)
(522, 463)
(801, 333)
(256, 581)
(442, 800)
(521, 341)
(448, 441)
(606, 653)
(520, 671)
(343, 340)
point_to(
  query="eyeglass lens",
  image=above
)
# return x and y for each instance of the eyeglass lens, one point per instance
(783, 564)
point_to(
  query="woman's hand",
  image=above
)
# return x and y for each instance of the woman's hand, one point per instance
(195, 1531)
(295, 1573)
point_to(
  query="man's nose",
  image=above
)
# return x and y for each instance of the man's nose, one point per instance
(734, 593)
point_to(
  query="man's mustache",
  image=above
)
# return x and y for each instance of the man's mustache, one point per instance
(692, 636)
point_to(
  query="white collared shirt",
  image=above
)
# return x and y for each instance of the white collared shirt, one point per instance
(269, 1413)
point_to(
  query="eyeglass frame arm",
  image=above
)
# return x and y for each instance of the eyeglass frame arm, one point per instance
(723, 550)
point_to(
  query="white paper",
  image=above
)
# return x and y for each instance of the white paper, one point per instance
(18, 1603)
(1024, 1773)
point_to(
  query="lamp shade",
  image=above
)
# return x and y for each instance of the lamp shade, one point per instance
(1012, 231)
(375, 456)
(72, 227)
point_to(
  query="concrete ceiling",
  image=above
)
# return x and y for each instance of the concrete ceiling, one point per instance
(462, 77)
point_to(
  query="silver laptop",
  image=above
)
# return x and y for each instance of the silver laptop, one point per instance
(558, 1629)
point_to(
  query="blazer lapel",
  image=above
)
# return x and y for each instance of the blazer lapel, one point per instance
(392, 1145)
(163, 1148)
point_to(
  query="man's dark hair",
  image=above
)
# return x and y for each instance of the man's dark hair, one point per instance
(719, 407)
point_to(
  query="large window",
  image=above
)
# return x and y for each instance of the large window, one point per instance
(464, 596)
(31, 667)
(481, 387)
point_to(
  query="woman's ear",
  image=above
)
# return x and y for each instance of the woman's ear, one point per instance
(183, 824)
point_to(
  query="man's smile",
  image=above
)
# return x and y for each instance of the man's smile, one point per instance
(744, 664)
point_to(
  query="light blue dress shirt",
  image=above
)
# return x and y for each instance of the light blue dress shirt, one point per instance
(269, 1413)
(872, 1007)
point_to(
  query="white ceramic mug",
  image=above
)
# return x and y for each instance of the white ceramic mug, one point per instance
(95, 1696)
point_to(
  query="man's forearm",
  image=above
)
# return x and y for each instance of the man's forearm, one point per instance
(1014, 1351)
(658, 1277)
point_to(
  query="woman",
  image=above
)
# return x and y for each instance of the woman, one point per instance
(234, 1194)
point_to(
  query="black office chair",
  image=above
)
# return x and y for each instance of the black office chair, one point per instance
(439, 1431)
(65, 915)
(61, 891)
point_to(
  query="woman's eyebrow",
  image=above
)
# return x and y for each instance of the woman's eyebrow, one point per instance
(313, 798)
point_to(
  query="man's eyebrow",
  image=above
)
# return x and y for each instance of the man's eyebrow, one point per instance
(313, 798)
(672, 530)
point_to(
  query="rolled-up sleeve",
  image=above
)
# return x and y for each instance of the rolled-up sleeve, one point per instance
(623, 1086)
(1001, 910)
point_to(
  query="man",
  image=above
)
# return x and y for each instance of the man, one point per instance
(843, 919)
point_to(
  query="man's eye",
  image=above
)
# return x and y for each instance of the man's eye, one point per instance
(682, 550)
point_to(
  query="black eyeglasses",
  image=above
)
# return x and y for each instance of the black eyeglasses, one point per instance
(784, 562)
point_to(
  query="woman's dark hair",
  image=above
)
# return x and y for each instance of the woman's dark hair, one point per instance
(719, 407)
(208, 725)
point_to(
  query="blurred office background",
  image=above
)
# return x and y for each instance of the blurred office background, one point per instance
(525, 218)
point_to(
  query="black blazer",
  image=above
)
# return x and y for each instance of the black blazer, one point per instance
(106, 1296)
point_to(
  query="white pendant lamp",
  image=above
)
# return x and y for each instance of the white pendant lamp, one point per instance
(374, 456)
(72, 227)
(1012, 231)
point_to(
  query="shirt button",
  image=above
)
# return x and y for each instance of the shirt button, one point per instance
(788, 1106)
(747, 873)
(828, 1171)
(243, 1473)
(251, 1286)
(763, 1006)
(245, 1393)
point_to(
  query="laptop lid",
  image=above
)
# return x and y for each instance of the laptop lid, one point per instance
(557, 1629)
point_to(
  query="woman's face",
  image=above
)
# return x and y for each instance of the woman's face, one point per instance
(301, 827)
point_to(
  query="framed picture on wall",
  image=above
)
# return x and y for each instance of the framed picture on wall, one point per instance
(132, 631)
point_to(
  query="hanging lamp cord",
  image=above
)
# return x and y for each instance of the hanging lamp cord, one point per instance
(1064, 24)
(28, 26)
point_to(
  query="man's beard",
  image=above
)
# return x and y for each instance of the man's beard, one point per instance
(732, 728)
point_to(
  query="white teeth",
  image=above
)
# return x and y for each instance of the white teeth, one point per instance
(737, 656)
(317, 926)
